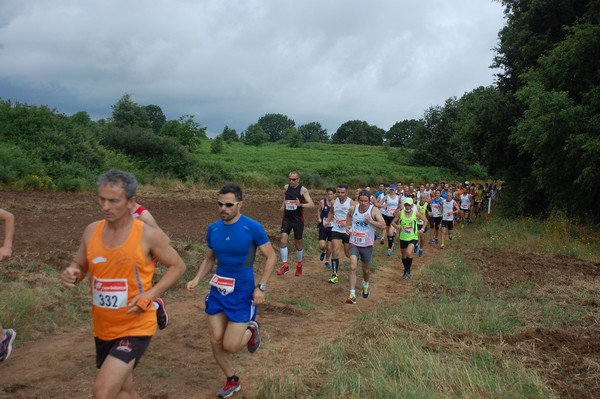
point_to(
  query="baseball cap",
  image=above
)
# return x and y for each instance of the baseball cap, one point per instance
(392, 187)
(408, 201)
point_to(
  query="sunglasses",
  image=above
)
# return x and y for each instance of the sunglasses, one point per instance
(227, 204)
(291, 179)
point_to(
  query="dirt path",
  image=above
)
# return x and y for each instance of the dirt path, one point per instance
(302, 316)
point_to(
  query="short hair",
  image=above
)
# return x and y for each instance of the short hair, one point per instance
(233, 189)
(332, 189)
(116, 177)
(364, 193)
(343, 186)
(294, 172)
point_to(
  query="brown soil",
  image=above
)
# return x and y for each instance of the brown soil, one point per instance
(301, 316)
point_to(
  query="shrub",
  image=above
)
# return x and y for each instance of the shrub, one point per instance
(35, 183)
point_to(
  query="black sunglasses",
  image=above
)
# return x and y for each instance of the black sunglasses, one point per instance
(227, 204)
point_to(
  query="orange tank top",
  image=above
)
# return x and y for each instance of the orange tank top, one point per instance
(117, 275)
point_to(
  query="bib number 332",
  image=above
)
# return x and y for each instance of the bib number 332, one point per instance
(110, 293)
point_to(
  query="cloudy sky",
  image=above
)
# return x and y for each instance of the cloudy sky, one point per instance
(228, 62)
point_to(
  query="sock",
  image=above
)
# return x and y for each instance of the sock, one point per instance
(408, 264)
(334, 265)
(404, 263)
(352, 292)
(365, 283)
(390, 241)
(284, 254)
(300, 254)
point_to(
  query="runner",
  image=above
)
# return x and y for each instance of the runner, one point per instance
(118, 252)
(339, 213)
(389, 204)
(425, 209)
(296, 198)
(478, 199)
(408, 218)
(231, 303)
(143, 214)
(449, 209)
(436, 217)
(362, 220)
(7, 337)
(465, 208)
(325, 231)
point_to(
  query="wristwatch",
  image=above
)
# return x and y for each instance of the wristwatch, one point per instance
(262, 287)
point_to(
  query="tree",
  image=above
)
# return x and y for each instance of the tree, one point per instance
(358, 132)
(254, 135)
(229, 135)
(186, 131)
(217, 146)
(156, 117)
(313, 132)
(293, 138)
(400, 134)
(435, 144)
(275, 125)
(126, 113)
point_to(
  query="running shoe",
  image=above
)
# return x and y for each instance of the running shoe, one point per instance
(322, 257)
(442, 246)
(254, 342)
(405, 275)
(351, 300)
(366, 292)
(298, 269)
(389, 252)
(462, 226)
(450, 237)
(382, 240)
(284, 269)
(229, 389)
(431, 241)
(408, 275)
(333, 279)
(7, 345)
(436, 240)
(416, 248)
(420, 252)
(162, 317)
(328, 265)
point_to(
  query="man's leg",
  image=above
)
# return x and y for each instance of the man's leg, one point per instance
(115, 380)
(335, 261)
(300, 256)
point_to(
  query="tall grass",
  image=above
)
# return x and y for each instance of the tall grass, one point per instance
(445, 338)
(320, 165)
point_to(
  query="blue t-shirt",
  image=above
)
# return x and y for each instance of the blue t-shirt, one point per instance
(235, 247)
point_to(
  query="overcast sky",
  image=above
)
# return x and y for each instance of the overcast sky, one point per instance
(228, 62)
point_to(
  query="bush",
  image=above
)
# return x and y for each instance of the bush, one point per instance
(35, 183)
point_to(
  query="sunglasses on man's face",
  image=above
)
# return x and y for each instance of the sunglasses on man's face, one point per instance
(226, 204)
(292, 179)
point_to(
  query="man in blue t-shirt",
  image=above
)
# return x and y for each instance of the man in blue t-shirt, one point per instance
(231, 303)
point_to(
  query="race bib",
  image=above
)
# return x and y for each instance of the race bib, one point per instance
(290, 205)
(341, 223)
(224, 285)
(110, 293)
(407, 229)
(358, 237)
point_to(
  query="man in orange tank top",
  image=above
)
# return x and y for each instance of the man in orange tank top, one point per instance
(118, 253)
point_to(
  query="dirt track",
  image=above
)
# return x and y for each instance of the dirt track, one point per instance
(62, 365)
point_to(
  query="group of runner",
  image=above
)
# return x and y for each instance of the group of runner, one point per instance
(120, 253)
(396, 211)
